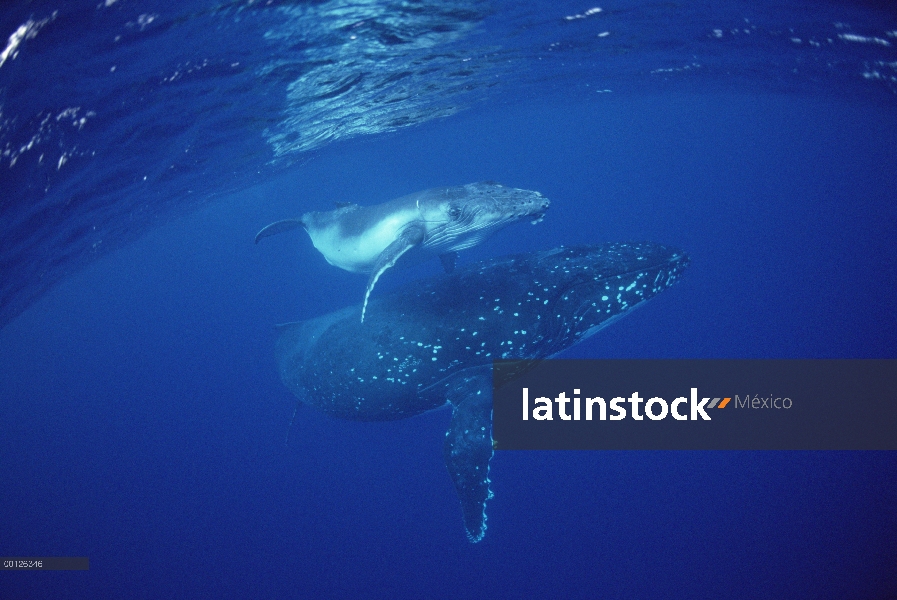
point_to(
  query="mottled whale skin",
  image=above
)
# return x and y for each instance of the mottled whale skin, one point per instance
(370, 239)
(432, 342)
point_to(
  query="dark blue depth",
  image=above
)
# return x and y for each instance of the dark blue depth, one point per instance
(142, 420)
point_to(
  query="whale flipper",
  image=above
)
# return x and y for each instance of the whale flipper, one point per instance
(468, 445)
(410, 237)
(279, 227)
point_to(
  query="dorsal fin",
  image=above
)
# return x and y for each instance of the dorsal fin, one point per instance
(278, 227)
(340, 205)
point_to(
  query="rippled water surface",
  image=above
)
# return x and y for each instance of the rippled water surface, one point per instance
(116, 115)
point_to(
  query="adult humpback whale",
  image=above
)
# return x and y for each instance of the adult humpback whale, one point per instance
(370, 239)
(432, 342)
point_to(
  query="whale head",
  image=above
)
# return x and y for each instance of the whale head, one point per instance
(461, 217)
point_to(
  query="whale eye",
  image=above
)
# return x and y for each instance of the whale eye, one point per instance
(454, 212)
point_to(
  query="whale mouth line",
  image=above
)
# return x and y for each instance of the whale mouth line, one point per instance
(456, 236)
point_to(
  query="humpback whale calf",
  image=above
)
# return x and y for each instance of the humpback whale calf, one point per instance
(370, 239)
(432, 343)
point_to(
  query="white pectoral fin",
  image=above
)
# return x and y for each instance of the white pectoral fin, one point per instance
(278, 227)
(409, 238)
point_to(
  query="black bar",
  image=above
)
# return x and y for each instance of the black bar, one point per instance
(773, 404)
(45, 563)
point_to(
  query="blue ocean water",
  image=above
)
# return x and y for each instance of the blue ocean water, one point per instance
(143, 145)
